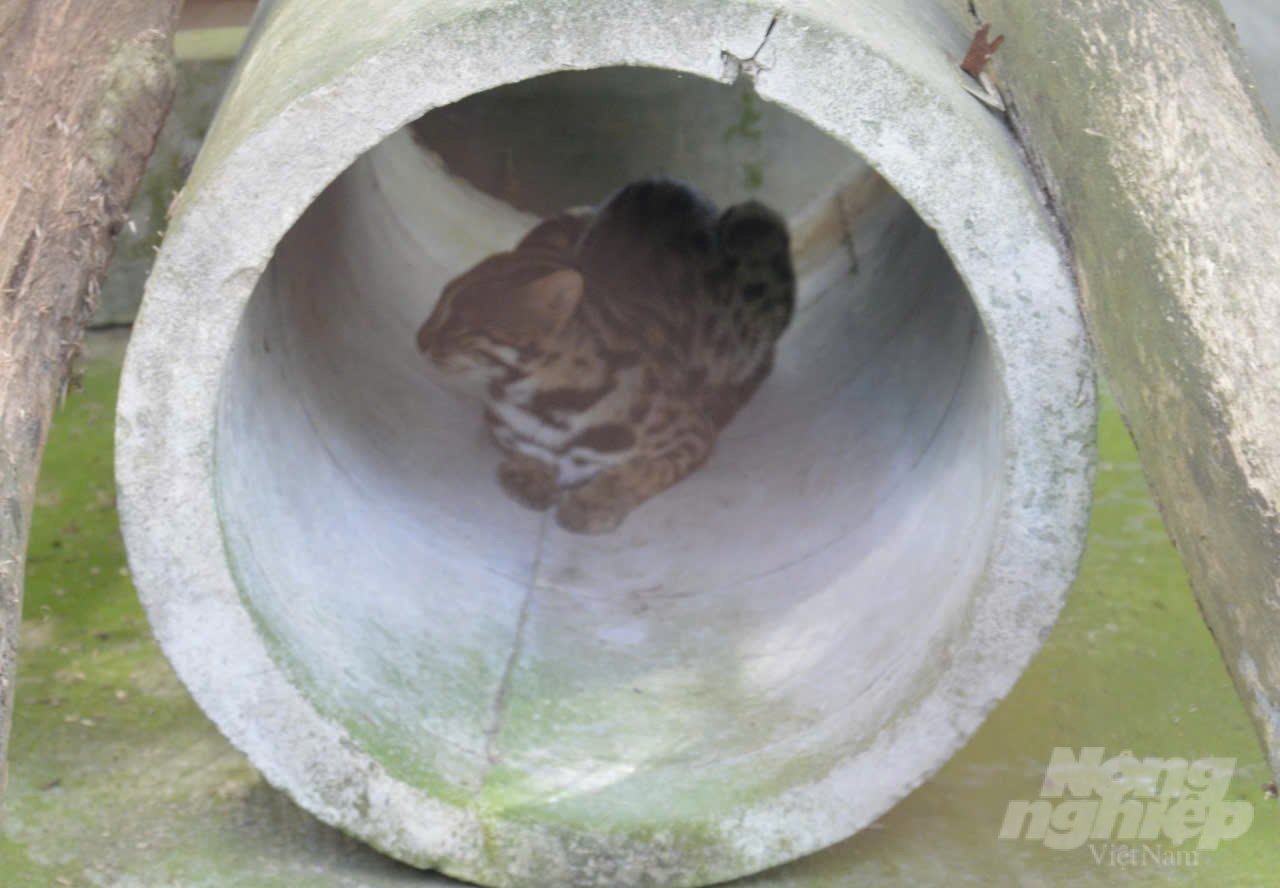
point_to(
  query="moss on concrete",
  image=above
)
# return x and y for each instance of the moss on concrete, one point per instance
(1128, 666)
(117, 778)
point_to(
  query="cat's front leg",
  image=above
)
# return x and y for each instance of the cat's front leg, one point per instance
(530, 482)
(599, 505)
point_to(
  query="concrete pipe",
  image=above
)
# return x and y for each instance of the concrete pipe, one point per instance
(762, 659)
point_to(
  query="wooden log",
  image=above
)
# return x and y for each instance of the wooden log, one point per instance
(1144, 120)
(198, 14)
(84, 88)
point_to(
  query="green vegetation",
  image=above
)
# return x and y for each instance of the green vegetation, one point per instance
(117, 779)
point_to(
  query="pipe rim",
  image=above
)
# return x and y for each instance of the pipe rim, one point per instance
(165, 460)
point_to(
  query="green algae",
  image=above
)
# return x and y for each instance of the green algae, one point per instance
(1129, 666)
(118, 779)
(748, 132)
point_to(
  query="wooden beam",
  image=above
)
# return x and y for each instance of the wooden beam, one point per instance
(84, 88)
(197, 14)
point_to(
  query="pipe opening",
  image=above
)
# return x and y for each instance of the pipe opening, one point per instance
(759, 622)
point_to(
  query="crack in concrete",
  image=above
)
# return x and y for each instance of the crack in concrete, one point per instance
(497, 714)
(736, 67)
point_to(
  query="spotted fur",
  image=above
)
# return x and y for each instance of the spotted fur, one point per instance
(610, 347)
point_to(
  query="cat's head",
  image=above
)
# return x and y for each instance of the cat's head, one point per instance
(500, 316)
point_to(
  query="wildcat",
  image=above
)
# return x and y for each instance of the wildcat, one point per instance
(611, 346)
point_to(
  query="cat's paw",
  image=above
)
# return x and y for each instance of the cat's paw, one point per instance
(529, 482)
(588, 510)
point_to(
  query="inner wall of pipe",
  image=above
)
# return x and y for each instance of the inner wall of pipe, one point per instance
(785, 603)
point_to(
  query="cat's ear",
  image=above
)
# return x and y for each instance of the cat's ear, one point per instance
(560, 234)
(753, 231)
(549, 301)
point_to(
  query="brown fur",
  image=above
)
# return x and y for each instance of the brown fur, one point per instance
(611, 347)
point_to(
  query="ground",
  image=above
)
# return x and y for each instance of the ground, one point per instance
(117, 779)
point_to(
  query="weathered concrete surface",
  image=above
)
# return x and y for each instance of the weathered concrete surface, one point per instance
(119, 781)
(767, 658)
(1143, 117)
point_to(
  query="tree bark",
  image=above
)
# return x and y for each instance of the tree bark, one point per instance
(84, 88)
